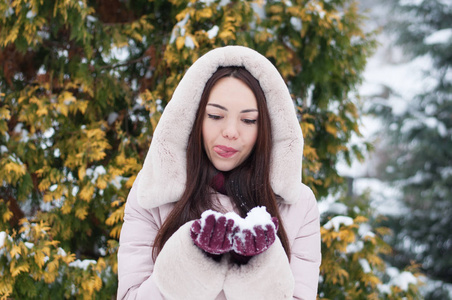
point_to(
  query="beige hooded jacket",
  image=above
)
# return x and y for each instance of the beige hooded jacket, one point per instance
(182, 271)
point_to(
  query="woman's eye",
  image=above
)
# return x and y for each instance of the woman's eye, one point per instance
(214, 117)
(249, 121)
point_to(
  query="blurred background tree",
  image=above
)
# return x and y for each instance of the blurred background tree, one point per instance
(82, 86)
(417, 144)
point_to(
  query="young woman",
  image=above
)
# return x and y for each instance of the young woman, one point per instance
(218, 210)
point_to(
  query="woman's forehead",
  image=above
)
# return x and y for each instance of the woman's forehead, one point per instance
(230, 91)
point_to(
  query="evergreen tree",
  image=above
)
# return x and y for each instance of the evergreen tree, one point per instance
(82, 86)
(352, 249)
(418, 147)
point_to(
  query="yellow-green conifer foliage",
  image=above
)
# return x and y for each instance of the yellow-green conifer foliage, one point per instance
(82, 86)
(352, 248)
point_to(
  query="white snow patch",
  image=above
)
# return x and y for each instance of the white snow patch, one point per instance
(112, 117)
(419, 177)
(410, 124)
(189, 42)
(404, 279)
(405, 79)
(61, 252)
(369, 234)
(207, 213)
(258, 9)
(365, 265)
(42, 70)
(49, 133)
(442, 36)
(337, 221)
(117, 181)
(355, 247)
(45, 206)
(296, 23)
(385, 198)
(63, 53)
(90, 19)
(181, 24)
(31, 14)
(18, 127)
(384, 288)
(120, 54)
(9, 12)
(224, 3)
(99, 170)
(325, 204)
(82, 264)
(75, 190)
(442, 130)
(431, 122)
(3, 236)
(400, 279)
(337, 208)
(213, 32)
(258, 216)
(44, 34)
(23, 132)
(365, 230)
(429, 285)
(445, 172)
(102, 251)
(410, 2)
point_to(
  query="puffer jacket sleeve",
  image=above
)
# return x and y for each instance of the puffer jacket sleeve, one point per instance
(135, 263)
(180, 271)
(304, 222)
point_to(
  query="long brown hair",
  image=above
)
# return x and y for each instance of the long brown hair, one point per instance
(248, 185)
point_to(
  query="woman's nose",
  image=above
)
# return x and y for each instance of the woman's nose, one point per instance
(230, 131)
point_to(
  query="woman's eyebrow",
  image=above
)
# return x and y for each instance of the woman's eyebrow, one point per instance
(225, 109)
(218, 106)
(249, 110)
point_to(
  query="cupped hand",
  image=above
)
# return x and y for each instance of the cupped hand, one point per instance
(213, 232)
(255, 240)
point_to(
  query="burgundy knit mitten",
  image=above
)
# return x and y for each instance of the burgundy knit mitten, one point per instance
(213, 232)
(257, 233)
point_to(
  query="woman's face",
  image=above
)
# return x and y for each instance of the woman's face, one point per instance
(229, 127)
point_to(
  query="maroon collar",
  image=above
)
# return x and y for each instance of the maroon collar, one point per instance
(218, 183)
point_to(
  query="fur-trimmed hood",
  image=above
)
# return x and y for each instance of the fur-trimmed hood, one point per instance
(163, 177)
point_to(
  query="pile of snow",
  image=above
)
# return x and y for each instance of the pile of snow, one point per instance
(257, 216)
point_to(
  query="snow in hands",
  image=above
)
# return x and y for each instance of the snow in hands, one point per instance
(218, 233)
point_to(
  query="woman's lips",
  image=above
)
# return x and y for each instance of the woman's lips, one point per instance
(224, 151)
